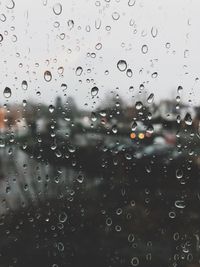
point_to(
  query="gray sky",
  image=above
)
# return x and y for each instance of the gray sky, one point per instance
(40, 42)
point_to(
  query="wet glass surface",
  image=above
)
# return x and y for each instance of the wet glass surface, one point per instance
(99, 133)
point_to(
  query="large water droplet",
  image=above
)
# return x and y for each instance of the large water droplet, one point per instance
(138, 105)
(7, 92)
(144, 49)
(94, 91)
(62, 217)
(115, 15)
(122, 65)
(131, 2)
(24, 85)
(129, 73)
(188, 119)
(150, 99)
(57, 9)
(79, 71)
(180, 204)
(135, 261)
(179, 173)
(47, 76)
(51, 108)
(3, 17)
(10, 4)
(179, 89)
(154, 32)
(70, 24)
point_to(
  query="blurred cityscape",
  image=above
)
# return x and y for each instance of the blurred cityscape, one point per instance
(115, 186)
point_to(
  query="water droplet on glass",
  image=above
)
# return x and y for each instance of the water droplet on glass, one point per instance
(122, 65)
(57, 9)
(79, 71)
(70, 24)
(62, 217)
(114, 129)
(154, 32)
(60, 70)
(131, 2)
(10, 4)
(94, 91)
(97, 24)
(47, 76)
(135, 261)
(129, 73)
(2, 17)
(63, 86)
(51, 108)
(98, 46)
(179, 90)
(180, 204)
(150, 98)
(138, 105)
(188, 119)
(24, 85)
(7, 92)
(144, 49)
(134, 126)
(154, 75)
(1, 37)
(179, 174)
(115, 15)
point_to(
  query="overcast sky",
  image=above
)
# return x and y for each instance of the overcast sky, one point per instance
(35, 40)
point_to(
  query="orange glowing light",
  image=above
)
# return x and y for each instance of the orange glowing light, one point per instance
(132, 135)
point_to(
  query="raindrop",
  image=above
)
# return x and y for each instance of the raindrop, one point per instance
(172, 214)
(2, 17)
(79, 71)
(57, 9)
(47, 76)
(24, 85)
(51, 108)
(63, 86)
(114, 129)
(180, 204)
(154, 32)
(144, 49)
(115, 15)
(10, 4)
(188, 119)
(150, 98)
(131, 2)
(70, 24)
(97, 24)
(179, 90)
(98, 46)
(1, 37)
(80, 178)
(7, 92)
(179, 174)
(94, 91)
(109, 221)
(129, 73)
(122, 65)
(134, 126)
(60, 70)
(154, 75)
(138, 105)
(62, 217)
(134, 261)
(150, 129)
(167, 45)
